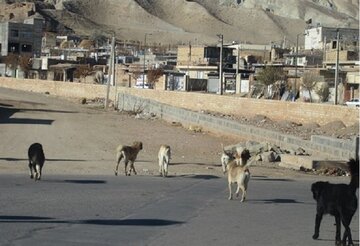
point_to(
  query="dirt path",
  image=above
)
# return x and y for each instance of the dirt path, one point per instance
(80, 139)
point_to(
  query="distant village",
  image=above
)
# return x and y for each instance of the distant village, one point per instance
(321, 66)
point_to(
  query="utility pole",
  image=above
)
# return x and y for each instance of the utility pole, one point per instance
(337, 66)
(143, 85)
(110, 73)
(237, 82)
(296, 59)
(221, 63)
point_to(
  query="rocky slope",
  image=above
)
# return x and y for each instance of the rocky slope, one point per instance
(198, 21)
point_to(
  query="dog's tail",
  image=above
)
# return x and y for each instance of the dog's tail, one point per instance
(354, 172)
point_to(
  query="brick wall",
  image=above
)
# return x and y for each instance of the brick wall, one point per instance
(276, 110)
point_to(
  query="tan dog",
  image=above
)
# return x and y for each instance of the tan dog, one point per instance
(164, 157)
(239, 173)
(129, 153)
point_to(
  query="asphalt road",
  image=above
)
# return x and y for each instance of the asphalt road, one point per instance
(79, 201)
(145, 210)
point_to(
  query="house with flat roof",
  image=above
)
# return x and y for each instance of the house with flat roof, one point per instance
(23, 38)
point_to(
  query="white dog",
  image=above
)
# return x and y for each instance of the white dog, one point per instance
(164, 157)
(225, 159)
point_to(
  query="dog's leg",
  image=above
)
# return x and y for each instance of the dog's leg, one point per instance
(126, 164)
(165, 166)
(31, 170)
(347, 233)
(243, 194)
(230, 193)
(160, 166)
(243, 190)
(38, 172)
(132, 167)
(118, 159)
(318, 219)
(338, 230)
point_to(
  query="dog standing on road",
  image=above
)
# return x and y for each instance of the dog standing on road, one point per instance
(129, 153)
(36, 160)
(239, 173)
(338, 200)
(164, 157)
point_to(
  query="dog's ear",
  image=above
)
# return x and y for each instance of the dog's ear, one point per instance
(245, 154)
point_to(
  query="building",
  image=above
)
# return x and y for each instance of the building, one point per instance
(201, 65)
(21, 37)
(318, 37)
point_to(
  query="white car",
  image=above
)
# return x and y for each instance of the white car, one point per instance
(355, 102)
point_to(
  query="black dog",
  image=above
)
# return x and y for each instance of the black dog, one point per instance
(36, 160)
(338, 200)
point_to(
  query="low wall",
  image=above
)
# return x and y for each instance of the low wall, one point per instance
(273, 109)
(63, 89)
(325, 146)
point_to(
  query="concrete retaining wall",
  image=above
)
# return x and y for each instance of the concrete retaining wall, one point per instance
(273, 109)
(325, 146)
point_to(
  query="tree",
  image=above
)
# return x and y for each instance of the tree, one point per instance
(153, 75)
(309, 81)
(269, 75)
(15, 61)
(323, 92)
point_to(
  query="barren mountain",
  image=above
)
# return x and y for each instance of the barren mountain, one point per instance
(198, 21)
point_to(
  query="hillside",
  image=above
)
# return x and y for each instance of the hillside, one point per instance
(198, 21)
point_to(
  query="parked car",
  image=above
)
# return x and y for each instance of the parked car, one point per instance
(355, 102)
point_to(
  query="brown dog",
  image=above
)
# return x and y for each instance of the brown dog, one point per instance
(239, 173)
(129, 153)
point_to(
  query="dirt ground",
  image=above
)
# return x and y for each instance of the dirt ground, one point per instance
(81, 139)
(336, 129)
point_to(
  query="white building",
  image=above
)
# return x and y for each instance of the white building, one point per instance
(316, 37)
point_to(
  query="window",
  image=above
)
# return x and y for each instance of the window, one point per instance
(27, 35)
(334, 44)
(13, 47)
(26, 48)
(14, 33)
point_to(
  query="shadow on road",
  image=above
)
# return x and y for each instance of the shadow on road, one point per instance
(195, 163)
(77, 181)
(197, 176)
(262, 178)
(108, 222)
(274, 201)
(47, 160)
(8, 110)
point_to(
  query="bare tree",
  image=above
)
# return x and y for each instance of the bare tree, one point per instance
(153, 75)
(82, 71)
(269, 75)
(15, 61)
(309, 81)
